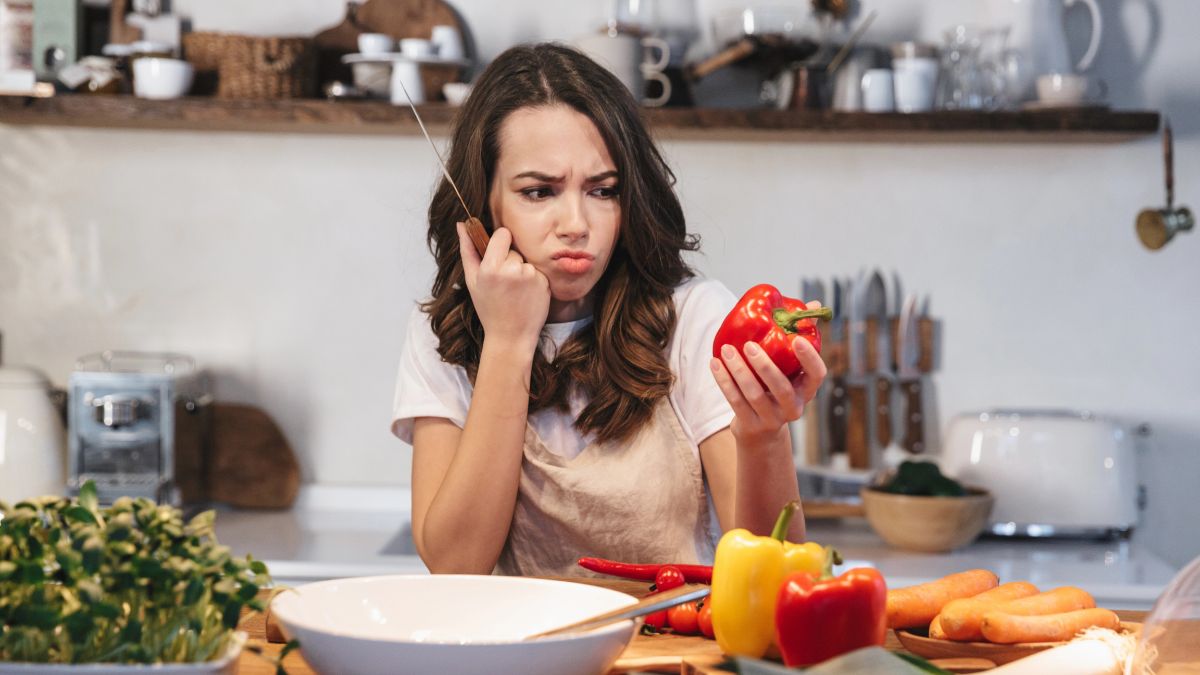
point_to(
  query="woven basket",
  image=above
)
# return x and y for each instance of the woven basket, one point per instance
(255, 67)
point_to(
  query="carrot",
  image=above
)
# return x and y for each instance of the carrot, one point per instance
(1010, 628)
(935, 628)
(960, 619)
(917, 605)
(1061, 599)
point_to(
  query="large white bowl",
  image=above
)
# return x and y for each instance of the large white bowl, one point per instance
(459, 624)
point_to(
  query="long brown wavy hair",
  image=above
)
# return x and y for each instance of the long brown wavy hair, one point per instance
(619, 360)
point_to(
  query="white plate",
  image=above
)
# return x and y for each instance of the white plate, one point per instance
(459, 624)
(397, 56)
(226, 665)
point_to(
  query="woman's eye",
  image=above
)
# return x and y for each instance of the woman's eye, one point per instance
(537, 193)
(605, 191)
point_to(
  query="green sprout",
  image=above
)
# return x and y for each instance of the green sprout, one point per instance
(131, 583)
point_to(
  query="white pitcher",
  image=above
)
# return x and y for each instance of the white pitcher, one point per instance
(1039, 36)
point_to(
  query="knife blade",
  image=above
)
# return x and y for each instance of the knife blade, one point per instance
(858, 450)
(877, 313)
(909, 377)
(835, 405)
(815, 439)
(475, 229)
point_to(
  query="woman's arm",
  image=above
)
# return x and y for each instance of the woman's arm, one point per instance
(465, 481)
(749, 465)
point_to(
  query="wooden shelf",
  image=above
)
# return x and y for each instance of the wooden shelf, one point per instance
(360, 117)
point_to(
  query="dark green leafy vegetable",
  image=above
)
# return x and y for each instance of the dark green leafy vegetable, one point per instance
(922, 479)
(131, 583)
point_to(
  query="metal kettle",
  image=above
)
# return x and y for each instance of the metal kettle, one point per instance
(32, 437)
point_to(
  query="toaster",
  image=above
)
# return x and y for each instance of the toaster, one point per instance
(1053, 473)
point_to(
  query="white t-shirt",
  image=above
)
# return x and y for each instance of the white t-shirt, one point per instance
(429, 387)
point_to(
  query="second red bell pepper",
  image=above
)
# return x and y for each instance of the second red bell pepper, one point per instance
(818, 619)
(765, 316)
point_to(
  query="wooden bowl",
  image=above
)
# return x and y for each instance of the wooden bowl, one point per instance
(927, 524)
(919, 643)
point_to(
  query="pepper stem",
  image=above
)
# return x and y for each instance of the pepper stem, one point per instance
(832, 557)
(785, 519)
(788, 320)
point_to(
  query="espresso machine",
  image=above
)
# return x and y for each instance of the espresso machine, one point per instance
(139, 425)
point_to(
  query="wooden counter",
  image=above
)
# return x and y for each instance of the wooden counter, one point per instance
(688, 655)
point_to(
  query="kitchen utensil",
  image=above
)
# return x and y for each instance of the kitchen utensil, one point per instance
(446, 623)
(908, 377)
(1054, 473)
(161, 79)
(647, 605)
(836, 61)
(919, 643)
(809, 291)
(879, 361)
(878, 90)
(456, 92)
(1156, 227)
(475, 229)
(375, 43)
(927, 524)
(836, 409)
(418, 48)
(405, 83)
(448, 42)
(1064, 90)
(915, 72)
(625, 56)
(416, 19)
(1038, 35)
(140, 425)
(858, 441)
(32, 439)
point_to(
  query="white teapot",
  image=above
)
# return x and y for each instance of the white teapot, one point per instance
(32, 437)
(1038, 36)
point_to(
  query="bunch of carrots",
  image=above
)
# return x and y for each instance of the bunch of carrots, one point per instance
(974, 606)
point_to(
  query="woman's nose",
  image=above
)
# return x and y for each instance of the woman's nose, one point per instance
(572, 221)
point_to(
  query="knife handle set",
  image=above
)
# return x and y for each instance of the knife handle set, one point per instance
(836, 352)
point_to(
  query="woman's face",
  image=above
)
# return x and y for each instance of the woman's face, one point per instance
(555, 188)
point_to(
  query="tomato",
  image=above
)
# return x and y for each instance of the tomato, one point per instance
(683, 618)
(704, 619)
(656, 620)
(668, 577)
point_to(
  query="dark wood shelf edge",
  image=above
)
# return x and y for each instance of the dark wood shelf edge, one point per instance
(376, 117)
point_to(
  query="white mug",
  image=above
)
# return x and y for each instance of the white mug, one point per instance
(914, 81)
(406, 76)
(373, 44)
(416, 48)
(878, 92)
(448, 42)
(1067, 89)
(625, 56)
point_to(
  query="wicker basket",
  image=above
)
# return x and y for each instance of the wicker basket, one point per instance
(255, 67)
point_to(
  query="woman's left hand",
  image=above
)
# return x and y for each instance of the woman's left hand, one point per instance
(761, 412)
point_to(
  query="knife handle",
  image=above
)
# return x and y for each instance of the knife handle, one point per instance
(837, 415)
(478, 234)
(914, 417)
(812, 431)
(857, 444)
(883, 411)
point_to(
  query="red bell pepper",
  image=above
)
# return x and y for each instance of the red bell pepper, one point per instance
(764, 316)
(818, 619)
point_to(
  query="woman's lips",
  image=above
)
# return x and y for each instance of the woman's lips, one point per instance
(574, 263)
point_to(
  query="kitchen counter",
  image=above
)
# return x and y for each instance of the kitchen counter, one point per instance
(359, 531)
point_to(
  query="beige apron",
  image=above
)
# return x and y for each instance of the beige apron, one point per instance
(642, 501)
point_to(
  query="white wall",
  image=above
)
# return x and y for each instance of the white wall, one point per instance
(287, 264)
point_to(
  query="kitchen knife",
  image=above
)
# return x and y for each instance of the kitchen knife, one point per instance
(814, 440)
(909, 377)
(877, 312)
(858, 450)
(835, 405)
(475, 228)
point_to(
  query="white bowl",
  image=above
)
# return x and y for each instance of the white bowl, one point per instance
(456, 92)
(459, 624)
(159, 78)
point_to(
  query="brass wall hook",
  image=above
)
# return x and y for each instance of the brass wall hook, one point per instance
(1156, 227)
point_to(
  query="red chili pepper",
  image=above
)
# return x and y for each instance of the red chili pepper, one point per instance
(693, 574)
(816, 620)
(764, 316)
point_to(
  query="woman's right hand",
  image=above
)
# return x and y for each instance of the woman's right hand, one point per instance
(511, 297)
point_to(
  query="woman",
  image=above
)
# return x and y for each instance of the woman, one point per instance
(559, 390)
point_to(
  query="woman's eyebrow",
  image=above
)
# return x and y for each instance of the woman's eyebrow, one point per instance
(603, 176)
(539, 176)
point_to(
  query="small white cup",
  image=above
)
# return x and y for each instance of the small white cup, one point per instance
(161, 79)
(448, 43)
(456, 92)
(374, 44)
(878, 92)
(406, 76)
(416, 48)
(914, 81)
(1068, 89)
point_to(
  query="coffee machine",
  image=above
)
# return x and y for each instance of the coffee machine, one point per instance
(139, 425)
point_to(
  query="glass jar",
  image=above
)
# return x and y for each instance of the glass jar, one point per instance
(1170, 641)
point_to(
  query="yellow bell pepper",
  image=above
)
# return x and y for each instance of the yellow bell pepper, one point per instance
(747, 574)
